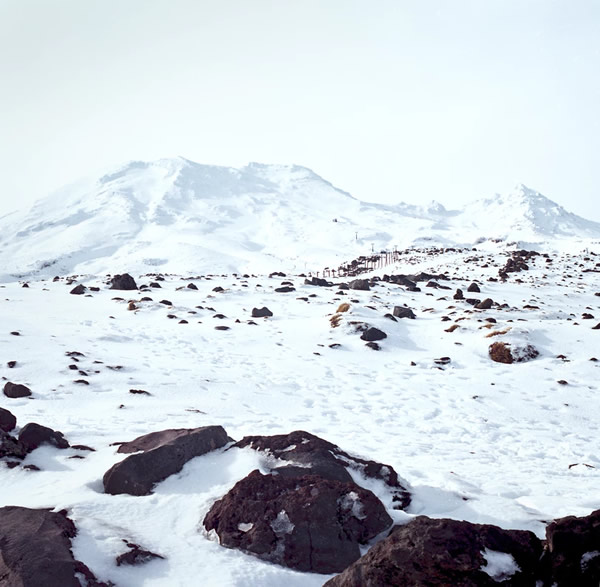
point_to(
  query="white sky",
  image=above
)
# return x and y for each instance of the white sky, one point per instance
(391, 100)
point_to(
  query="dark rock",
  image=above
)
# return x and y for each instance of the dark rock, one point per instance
(222, 328)
(164, 453)
(136, 555)
(360, 284)
(166, 302)
(372, 334)
(11, 364)
(15, 390)
(473, 301)
(402, 312)
(285, 289)
(261, 312)
(390, 317)
(35, 550)
(33, 435)
(374, 346)
(502, 352)
(428, 552)
(442, 361)
(303, 522)
(317, 456)
(597, 327)
(485, 305)
(11, 447)
(218, 289)
(7, 420)
(124, 282)
(573, 551)
(318, 281)
(139, 392)
(192, 286)
(459, 295)
(78, 290)
(473, 288)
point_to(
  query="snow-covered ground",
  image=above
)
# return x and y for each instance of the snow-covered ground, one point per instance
(477, 440)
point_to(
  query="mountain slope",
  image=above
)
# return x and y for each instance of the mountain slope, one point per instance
(180, 216)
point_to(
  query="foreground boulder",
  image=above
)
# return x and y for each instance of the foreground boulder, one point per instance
(7, 420)
(124, 282)
(163, 454)
(305, 523)
(303, 453)
(16, 390)
(34, 435)
(573, 551)
(446, 552)
(371, 334)
(35, 550)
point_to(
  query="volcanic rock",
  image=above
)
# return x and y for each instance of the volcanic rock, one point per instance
(15, 390)
(304, 522)
(164, 453)
(428, 552)
(124, 282)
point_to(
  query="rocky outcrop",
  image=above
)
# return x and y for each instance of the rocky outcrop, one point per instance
(446, 552)
(35, 550)
(305, 522)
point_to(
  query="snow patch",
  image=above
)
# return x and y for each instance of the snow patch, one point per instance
(500, 565)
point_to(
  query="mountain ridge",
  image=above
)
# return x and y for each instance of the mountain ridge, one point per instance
(190, 217)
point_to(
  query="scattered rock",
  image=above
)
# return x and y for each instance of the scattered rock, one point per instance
(261, 312)
(318, 281)
(166, 302)
(285, 289)
(35, 550)
(15, 390)
(78, 290)
(503, 352)
(485, 304)
(139, 392)
(192, 286)
(164, 453)
(442, 361)
(473, 288)
(372, 334)
(136, 555)
(11, 364)
(360, 284)
(459, 295)
(218, 289)
(428, 552)
(7, 420)
(123, 282)
(11, 447)
(402, 312)
(34, 435)
(304, 522)
(373, 345)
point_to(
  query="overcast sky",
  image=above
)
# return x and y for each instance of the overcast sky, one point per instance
(391, 100)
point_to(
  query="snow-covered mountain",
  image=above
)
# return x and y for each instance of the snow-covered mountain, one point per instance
(175, 215)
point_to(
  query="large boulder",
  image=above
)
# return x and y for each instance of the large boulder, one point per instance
(35, 550)
(15, 390)
(446, 552)
(33, 435)
(124, 281)
(302, 453)
(7, 420)
(573, 551)
(163, 453)
(305, 523)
